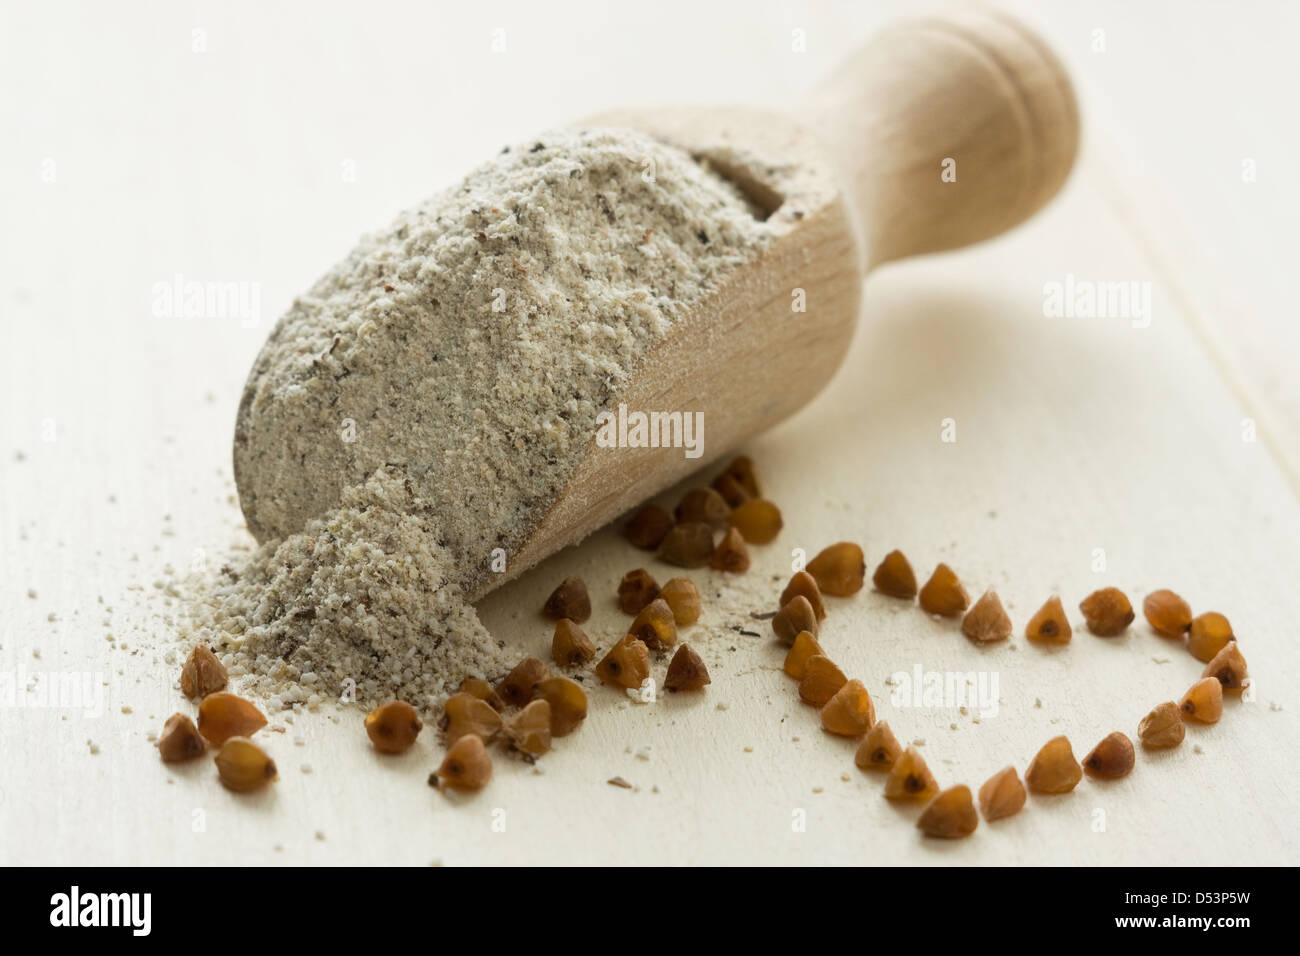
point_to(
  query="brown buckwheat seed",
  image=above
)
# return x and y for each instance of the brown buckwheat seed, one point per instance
(569, 600)
(730, 554)
(895, 577)
(1163, 727)
(1203, 702)
(223, 715)
(1167, 613)
(570, 646)
(987, 621)
(1049, 625)
(1208, 634)
(393, 727)
(880, 748)
(243, 766)
(1002, 795)
(1054, 769)
(686, 671)
(803, 583)
(821, 681)
(950, 815)
(655, 625)
(758, 521)
(741, 471)
(464, 714)
(180, 740)
(704, 504)
(1228, 667)
(478, 687)
(733, 493)
(683, 598)
(850, 712)
(568, 702)
(688, 545)
(202, 674)
(648, 527)
(804, 648)
(626, 665)
(839, 569)
(796, 615)
(1107, 612)
(910, 778)
(637, 589)
(1110, 759)
(516, 688)
(943, 594)
(466, 766)
(529, 731)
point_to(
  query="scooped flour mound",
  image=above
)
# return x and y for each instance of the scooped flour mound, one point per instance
(359, 600)
(427, 401)
(474, 342)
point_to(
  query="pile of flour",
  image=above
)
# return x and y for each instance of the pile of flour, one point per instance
(425, 403)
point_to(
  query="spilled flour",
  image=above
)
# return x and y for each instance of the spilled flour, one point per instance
(425, 403)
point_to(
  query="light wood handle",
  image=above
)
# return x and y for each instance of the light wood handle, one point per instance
(975, 92)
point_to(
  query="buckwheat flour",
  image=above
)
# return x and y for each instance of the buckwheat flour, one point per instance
(425, 403)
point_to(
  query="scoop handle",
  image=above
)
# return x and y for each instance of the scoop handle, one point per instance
(946, 131)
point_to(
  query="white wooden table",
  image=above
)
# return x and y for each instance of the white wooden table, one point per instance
(130, 158)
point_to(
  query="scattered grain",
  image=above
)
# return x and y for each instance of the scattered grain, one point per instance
(1049, 625)
(1228, 667)
(223, 715)
(393, 726)
(637, 589)
(895, 577)
(839, 569)
(795, 616)
(1054, 768)
(821, 681)
(686, 671)
(683, 597)
(705, 505)
(804, 648)
(180, 740)
(569, 600)
(1002, 795)
(466, 766)
(202, 673)
(648, 527)
(568, 702)
(1107, 612)
(1203, 701)
(850, 712)
(950, 815)
(943, 594)
(804, 583)
(910, 778)
(1208, 634)
(987, 621)
(1110, 759)
(627, 664)
(529, 731)
(688, 545)
(243, 766)
(731, 554)
(880, 748)
(1163, 727)
(570, 646)
(655, 626)
(1167, 613)
(463, 714)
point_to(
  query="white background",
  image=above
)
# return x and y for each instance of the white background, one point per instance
(227, 164)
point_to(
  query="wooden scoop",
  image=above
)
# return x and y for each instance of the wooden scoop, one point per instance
(854, 179)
